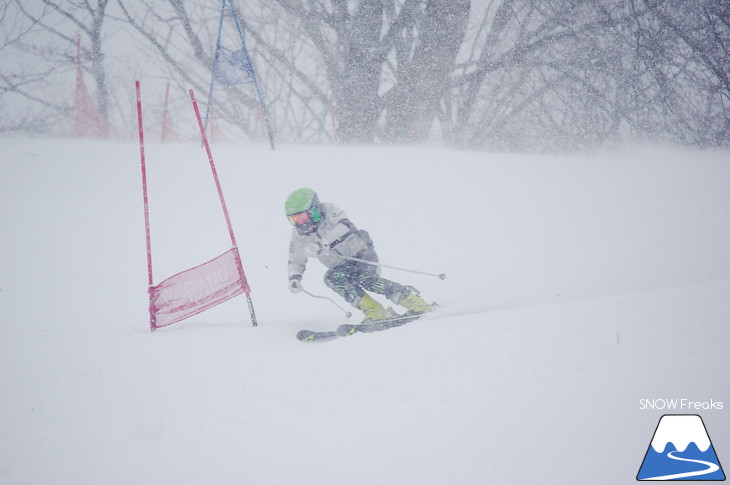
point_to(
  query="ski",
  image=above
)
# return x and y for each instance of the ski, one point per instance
(312, 336)
(345, 330)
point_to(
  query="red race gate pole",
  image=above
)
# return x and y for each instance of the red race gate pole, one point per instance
(146, 204)
(239, 264)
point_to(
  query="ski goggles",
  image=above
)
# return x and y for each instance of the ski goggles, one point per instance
(299, 218)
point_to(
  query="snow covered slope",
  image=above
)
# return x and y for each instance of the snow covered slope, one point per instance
(576, 287)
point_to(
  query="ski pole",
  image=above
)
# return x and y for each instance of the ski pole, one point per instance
(440, 276)
(347, 314)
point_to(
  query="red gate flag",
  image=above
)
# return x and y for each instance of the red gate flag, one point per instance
(198, 289)
(88, 120)
(204, 286)
(167, 133)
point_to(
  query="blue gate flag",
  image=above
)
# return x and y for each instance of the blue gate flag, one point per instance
(234, 67)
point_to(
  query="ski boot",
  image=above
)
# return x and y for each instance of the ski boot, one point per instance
(375, 315)
(373, 310)
(413, 302)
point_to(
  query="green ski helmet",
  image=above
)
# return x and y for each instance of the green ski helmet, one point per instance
(303, 210)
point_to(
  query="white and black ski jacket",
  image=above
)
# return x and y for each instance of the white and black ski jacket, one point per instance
(334, 230)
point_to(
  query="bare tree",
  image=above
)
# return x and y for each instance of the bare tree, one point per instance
(182, 37)
(568, 74)
(81, 16)
(384, 58)
(495, 74)
(24, 107)
(686, 47)
(425, 55)
(529, 78)
(362, 62)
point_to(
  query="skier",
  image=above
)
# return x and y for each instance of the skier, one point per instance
(323, 231)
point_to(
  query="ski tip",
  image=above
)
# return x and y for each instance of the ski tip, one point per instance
(311, 336)
(305, 336)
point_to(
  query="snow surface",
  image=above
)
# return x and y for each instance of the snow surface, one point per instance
(577, 285)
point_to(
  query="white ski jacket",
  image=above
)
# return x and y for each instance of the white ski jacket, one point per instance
(335, 231)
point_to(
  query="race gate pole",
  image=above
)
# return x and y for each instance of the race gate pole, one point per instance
(146, 205)
(239, 264)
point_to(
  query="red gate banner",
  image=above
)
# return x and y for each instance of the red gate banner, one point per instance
(197, 289)
(202, 287)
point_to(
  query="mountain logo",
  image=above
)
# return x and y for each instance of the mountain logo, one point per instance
(680, 450)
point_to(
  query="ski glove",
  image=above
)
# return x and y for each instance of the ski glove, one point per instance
(295, 284)
(313, 250)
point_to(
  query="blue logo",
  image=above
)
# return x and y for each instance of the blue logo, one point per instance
(681, 450)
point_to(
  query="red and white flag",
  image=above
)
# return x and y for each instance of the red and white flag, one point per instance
(197, 289)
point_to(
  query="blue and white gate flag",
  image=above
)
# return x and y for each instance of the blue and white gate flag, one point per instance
(234, 67)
